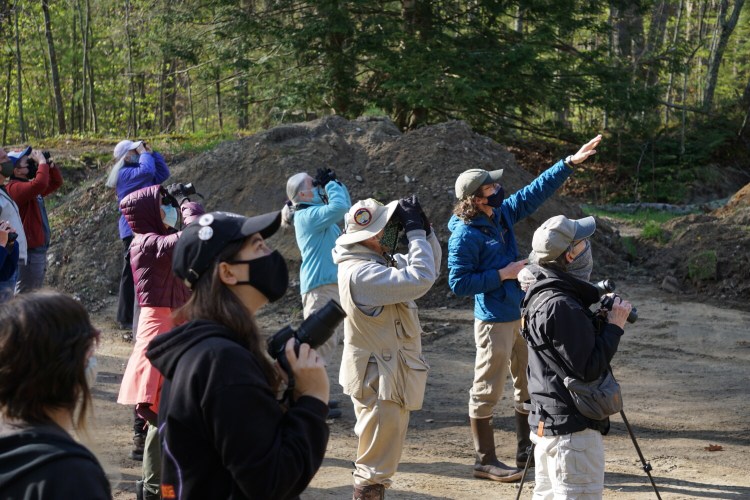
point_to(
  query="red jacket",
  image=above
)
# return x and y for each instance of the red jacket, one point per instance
(24, 193)
(152, 247)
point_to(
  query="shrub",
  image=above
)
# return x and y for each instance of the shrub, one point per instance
(702, 266)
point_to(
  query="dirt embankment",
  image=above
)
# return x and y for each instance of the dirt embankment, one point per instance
(370, 155)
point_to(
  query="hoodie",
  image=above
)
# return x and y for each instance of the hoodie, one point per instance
(223, 433)
(480, 247)
(40, 462)
(152, 247)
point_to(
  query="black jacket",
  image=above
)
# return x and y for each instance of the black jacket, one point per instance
(222, 431)
(42, 462)
(566, 320)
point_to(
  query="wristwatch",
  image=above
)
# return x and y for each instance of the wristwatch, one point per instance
(568, 161)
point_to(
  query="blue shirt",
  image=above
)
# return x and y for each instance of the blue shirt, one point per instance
(316, 228)
(477, 249)
(151, 169)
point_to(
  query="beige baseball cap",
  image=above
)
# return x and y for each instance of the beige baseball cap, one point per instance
(470, 180)
(364, 220)
(554, 237)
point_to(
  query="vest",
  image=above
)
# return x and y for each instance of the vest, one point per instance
(393, 339)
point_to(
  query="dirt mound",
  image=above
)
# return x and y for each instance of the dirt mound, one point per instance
(370, 155)
(708, 253)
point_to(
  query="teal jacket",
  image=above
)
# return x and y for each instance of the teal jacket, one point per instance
(316, 228)
(479, 248)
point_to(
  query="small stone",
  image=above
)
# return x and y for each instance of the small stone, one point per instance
(670, 284)
(407, 179)
(358, 178)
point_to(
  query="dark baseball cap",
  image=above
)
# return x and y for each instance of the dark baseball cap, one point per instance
(202, 240)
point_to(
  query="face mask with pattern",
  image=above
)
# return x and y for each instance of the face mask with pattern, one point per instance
(390, 235)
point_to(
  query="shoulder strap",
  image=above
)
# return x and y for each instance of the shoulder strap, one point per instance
(530, 311)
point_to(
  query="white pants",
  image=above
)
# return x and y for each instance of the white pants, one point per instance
(569, 466)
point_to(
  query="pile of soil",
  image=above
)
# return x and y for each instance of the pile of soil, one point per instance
(707, 254)
(370, 156)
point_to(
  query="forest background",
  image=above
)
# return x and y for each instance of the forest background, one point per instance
(668, 81)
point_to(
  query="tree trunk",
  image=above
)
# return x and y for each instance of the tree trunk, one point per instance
(190, 101)
(217, 76)
(21, 123)
(670, 84)
(655, 41)
(725, 27)
(417, 18)
(92, 94)
(84, 68)
(59, 108)
(7, 100)
(132, 122)
(74, 77)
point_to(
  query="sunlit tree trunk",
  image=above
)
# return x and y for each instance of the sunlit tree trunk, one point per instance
(725, 27)
(59, 108)
(19, 88)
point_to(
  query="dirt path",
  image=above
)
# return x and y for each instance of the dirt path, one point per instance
(684, 368)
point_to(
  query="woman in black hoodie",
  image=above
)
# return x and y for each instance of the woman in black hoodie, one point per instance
(224, 435)
(47, 366)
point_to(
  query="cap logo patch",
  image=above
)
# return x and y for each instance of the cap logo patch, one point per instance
(362, 217)
(205, 233)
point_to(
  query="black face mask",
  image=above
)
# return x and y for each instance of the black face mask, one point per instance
(268, 275)
(496, 199)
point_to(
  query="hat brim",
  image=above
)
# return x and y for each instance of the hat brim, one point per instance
(265, 224)
(17, 155)
(584, 228)
(374, 228)
(493, 177)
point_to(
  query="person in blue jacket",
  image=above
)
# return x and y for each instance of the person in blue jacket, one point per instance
(316, 207)
(483, 261)
(8, 251)
(136, 166)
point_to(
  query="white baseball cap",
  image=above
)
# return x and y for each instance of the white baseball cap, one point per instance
(125, 146)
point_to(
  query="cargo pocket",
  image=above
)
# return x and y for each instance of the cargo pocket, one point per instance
(352, 371)
(412, 375)
(580, 461)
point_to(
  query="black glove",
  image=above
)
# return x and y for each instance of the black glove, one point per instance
(179, 192)
(323, 177)
(409, 211)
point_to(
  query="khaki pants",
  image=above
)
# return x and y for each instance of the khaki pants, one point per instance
(314, 300)
(152, 461)
(569, 466)
(500, 347)
(381, 429)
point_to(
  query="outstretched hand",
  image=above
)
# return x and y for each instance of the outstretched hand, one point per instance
(586, 150)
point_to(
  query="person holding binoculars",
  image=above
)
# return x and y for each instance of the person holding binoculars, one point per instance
(382, 367)
(224, 433)
(35, 176)
(316, 207)
(152, 213)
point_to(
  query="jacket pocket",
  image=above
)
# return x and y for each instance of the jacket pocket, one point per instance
(412, 377)
(352, 371)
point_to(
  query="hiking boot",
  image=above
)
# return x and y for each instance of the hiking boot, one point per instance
(369, 492)
(139, 441)
(524, 451)
(487, 466)
(334, 413)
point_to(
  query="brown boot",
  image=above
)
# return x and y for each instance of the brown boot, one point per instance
(487, 465)
(523, 450)
(369, 492)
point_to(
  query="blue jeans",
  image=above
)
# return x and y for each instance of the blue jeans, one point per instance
(31, 275)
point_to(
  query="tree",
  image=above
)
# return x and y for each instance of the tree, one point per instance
(59, 109)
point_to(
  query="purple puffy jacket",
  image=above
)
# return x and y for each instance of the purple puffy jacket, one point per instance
(152, 246)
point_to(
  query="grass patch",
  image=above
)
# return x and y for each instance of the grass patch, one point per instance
(628, 243)
(702, 266)
(652, 230)
(638, 218)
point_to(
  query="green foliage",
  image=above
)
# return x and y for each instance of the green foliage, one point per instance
(512, 69)
(639, 218)
(653, 231)
(702, 266)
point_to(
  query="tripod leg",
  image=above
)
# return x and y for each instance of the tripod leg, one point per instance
(646, 465)
(525, 470)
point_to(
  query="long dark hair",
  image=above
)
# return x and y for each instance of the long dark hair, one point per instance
(45, 340)
(213, 300)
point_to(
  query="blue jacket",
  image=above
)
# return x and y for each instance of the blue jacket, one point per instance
(8, 262)
(479, 248)
(316, 230)
(151, 169)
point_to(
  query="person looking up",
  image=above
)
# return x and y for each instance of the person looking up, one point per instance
(10, 213)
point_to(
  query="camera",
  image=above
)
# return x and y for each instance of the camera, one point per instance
(12, 236)
(314, 330)
(608, 286)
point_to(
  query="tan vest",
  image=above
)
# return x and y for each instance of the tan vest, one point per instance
(393, 338)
